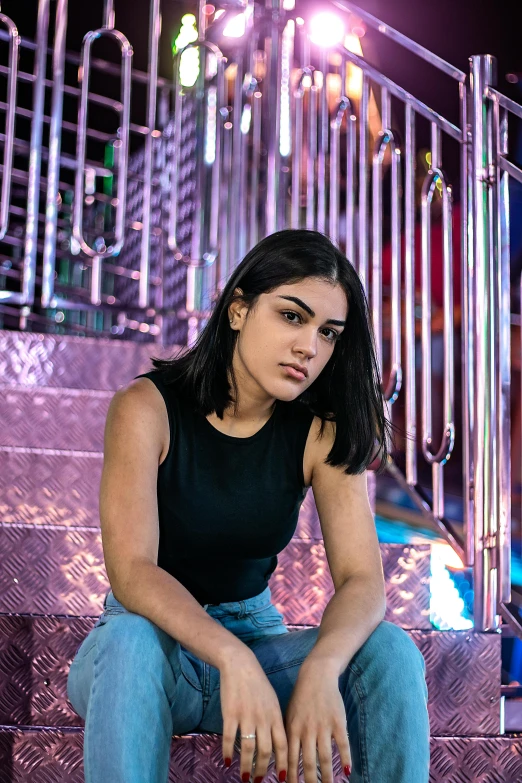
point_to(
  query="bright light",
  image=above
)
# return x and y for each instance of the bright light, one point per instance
(245, 118)
(236, 27)
(210, 141)
(446, 605)
(189, 67)
(289, 5)
(326, 30)
(188, 32)
(219, 13)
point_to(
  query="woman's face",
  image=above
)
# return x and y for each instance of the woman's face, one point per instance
(282, 331)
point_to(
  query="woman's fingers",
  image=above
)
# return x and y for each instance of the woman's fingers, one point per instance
(294, 748)
(248, 746)
(263, 750)
(324, 753)
(229, 737)
(280, 745)
(343, 746)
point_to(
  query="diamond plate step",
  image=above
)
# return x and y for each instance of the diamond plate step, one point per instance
(49, 487)
(53, 417)
(46, 755)
(462, 672)
(60, 570)
(38, 360)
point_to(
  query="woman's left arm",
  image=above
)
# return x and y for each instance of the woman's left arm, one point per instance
(316, 713)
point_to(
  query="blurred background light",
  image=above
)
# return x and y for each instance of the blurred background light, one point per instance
(326, 29)
(236, 27)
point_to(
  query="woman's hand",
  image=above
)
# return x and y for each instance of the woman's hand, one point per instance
(250, 704)
(316, 714)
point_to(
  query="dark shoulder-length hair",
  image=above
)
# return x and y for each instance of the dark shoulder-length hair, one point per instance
(348, 390)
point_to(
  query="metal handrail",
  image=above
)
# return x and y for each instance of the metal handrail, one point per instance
(126, 55)
(403, 40)
(5, 196)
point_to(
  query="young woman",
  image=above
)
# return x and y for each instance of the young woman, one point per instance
(207, 459)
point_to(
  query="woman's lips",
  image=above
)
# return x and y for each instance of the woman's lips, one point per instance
(293, 373)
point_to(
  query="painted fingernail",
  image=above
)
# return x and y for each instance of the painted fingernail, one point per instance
(282, 776)
(347, 770)
(245, 777)
(228, 762)
(258, 779)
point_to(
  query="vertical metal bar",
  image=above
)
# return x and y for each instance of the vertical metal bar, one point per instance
(393, 387)
(335, 161)
(500, 213)
(216, 168)
(297, 151)
(225, 212)
(437, 460)
(435, 146)
(176, 144)
(310, 158)
(12, 81)
(234, 192)
(108, 14)
(363, 184)
(274, 117)
(409, 283)
(385, 108)
(351, 151)
(467, 329)
(485, 603)
(376, 300)
(53, 168)
(257, 103)
(152, 85)
(285, 123)
(35, 155)
(323, 144)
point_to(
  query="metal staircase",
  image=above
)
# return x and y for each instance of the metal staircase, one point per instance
(54, 397)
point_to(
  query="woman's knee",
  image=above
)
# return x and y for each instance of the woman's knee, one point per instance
(393, 645)
(121, 649)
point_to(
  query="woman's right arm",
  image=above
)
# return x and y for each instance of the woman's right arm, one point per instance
(134, 436)
(133, 441)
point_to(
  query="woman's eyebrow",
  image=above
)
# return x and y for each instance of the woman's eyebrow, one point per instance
(309, 310)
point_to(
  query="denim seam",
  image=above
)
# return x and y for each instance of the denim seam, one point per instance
(287, 665)
(91, 694)
(190, 682)
(361, 714)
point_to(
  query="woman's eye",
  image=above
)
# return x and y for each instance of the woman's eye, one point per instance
(289, 312)
(333, 334)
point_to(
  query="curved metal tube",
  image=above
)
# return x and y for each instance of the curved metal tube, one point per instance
(448, 438)
(199, 257)
(53, 166)
(363, 184)
(306, 72)
(335, 161)
(311, 157)
(126, 54)
(148, 164)
(35, 156)
(392, 388)
(14, 50)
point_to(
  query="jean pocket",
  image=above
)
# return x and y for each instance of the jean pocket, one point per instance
(266, 617)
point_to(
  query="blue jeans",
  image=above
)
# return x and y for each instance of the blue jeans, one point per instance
(135, 686)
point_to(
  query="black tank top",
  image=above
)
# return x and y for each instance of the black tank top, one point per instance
(227, 506)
